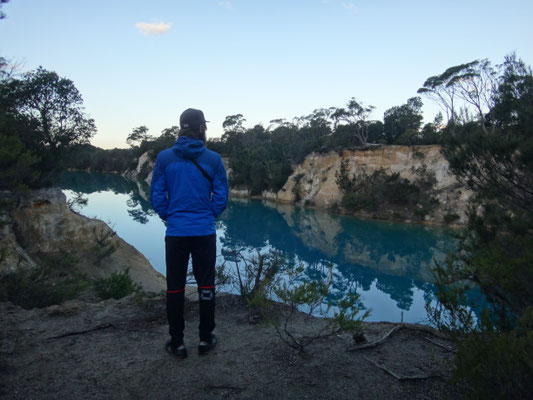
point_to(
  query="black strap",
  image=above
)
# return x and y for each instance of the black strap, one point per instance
(204, 173)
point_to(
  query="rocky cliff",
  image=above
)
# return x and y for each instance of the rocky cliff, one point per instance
(42, 223)
(314, 180)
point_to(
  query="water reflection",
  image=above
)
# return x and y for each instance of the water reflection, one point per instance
(367, 255)
(138, 205)
(386, 262)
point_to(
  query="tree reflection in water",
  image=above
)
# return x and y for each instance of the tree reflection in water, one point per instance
(139, 207)
(393, 258)
(388, 263)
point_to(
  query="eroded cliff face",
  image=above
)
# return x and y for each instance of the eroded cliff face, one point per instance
(42, 223)
(314, 180)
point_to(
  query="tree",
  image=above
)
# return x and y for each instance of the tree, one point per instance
(54, 108)
(41, 117)
(474, 83)
(495, 250)
(355, 115)
(375, 132)
(399, 119)
(514, 99)
(138, 135)
(233, 132)
(18, 163)
(233, 123)
(438, 89)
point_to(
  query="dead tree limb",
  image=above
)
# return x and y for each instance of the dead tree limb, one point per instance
(75, 333)
(402, 377)
(440, 345)
(397, 327)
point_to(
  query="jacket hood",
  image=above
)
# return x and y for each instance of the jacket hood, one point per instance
(189, 148)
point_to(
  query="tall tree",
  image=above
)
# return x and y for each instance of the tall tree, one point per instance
(514, 99)
(138, 135)
(54, 108)
(473, 83)
(234, 123)
(355, 115)
(399, 119)
(495, 252)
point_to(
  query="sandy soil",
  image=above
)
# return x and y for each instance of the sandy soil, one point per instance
(114, 350)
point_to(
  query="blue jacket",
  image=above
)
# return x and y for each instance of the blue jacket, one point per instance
(181, 195)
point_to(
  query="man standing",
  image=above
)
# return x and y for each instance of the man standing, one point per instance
(189, 190)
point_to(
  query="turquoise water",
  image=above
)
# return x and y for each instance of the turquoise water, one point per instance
(387, 263)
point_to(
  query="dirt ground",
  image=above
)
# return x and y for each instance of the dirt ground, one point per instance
(114, 350)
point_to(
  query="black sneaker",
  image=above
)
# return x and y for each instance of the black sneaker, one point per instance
(206, 347)
(178, 351)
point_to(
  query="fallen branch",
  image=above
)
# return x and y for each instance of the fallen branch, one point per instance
(397, 327)
(103, 326)
(402, 377)
(440, 345)
(75, 333)
(377, 342)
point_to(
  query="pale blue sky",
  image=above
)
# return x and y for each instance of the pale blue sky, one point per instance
(263, 59)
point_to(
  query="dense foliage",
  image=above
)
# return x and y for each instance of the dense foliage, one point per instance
(263, 158)
(41, 118)
(386, 195)
(492, 154)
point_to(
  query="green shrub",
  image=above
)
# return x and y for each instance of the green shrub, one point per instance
(105, 243)
(116, 286)
(387, 193)
(496, 366)
(43, 286)
(297, 188)
(299, 292)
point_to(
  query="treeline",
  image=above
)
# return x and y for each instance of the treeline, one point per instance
(262, 158)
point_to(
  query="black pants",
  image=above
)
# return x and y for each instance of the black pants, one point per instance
(203, 252)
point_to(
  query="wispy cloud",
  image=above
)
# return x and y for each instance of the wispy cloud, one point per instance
(225, 4)
(350, 7)
(153, 28)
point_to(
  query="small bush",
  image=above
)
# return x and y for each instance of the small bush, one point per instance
(349, 317)
(105, 243)
(297, 188)
(116, 286)
(255, 274)
(298, 292)
(43, 286)
(387, 194)
(496, 366)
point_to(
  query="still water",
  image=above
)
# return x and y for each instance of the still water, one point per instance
(387, 263)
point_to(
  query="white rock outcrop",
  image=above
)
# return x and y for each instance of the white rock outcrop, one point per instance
(315, 178)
